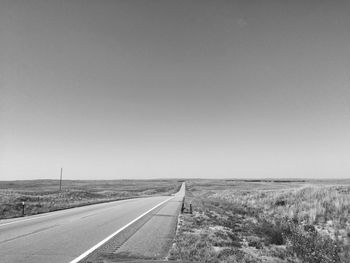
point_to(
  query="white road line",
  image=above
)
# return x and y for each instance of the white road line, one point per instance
(65, 211)
(23, 220)
(86, 253)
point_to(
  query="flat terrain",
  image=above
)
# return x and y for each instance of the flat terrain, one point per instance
(42, 196)
(265, 221)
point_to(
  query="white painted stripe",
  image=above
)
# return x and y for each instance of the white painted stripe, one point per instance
(64, 211)
(23, 220)
(86, 253)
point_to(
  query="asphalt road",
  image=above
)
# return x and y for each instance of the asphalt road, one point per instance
(64, 235)
(149, 238)
(155, 238)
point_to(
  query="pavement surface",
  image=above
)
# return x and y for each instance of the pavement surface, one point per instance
(63, 236)
(155, 238)
(150, 238)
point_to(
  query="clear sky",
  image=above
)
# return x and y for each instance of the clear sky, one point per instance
(150, 89)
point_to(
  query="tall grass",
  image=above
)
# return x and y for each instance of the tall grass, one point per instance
(324, 209)
(310, 204)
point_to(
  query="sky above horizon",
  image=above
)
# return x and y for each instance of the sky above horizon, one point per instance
(164, 89)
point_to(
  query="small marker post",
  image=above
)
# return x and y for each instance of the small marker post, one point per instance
(61, 179)
(23, 208)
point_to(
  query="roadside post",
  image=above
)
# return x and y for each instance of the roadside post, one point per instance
(191, 207)
(61, 179)
(22, 208)
(183, 206)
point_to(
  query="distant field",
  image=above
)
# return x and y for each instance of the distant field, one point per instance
(265, 221)
(42, 196)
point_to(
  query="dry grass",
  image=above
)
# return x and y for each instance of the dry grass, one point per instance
(239, 221)
(325, 207)
(311, 204)
(42, 196)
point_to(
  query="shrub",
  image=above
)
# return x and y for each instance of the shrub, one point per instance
(310, 246)
(273, 232)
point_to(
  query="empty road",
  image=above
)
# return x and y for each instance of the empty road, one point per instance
(62, 236)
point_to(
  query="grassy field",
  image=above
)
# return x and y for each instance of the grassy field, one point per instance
(42, 196)
(265, 221)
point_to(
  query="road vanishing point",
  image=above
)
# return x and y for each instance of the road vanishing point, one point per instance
(73, 234)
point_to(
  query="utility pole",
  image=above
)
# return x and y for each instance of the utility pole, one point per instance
(61, 179)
